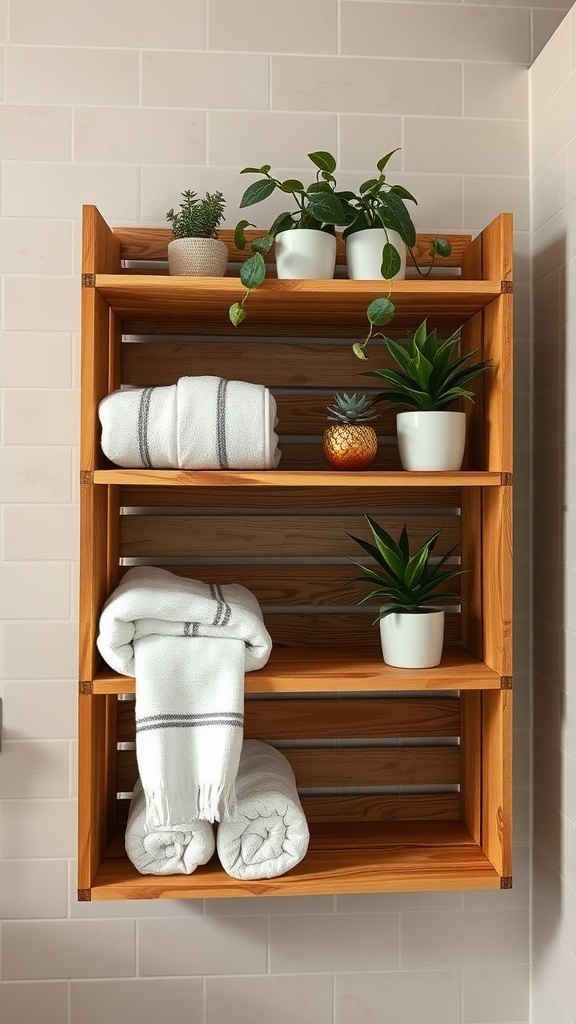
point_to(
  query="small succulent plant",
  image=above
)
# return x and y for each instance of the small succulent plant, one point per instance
(197, 218)
(351, 409)
(406, 583)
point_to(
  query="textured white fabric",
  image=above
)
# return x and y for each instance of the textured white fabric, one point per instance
(163, 851)
(198, 423)
(188, 644)
(269, 833)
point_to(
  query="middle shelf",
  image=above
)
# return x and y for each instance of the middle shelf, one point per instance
(326, 670)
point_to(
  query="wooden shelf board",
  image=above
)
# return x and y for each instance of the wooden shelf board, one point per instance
(407, 856)
(322, 308)
(293, 478)
(328, 670)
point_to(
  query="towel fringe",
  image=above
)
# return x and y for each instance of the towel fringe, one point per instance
(172, 809)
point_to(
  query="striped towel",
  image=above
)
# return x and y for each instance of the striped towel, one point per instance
(188, 644)
(198, 423)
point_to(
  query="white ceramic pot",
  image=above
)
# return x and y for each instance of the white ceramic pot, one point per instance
(431, 440)
(197, 257)
(305, 253)
(364, 254)
(412, 639)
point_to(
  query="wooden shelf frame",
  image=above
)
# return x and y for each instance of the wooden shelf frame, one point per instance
(455, 840)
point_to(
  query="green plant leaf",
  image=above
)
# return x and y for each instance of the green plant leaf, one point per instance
(391, 262)
(380, 311)
(381, 163)
(256, 170)
(239, 236)
(403, 543)
(292, 185)
(323, 160)
(236, 314)
(399, 190)
(263, 243)
(370, 185)
(393, 214)
(253, 271)
(391, 556)
(441, 247)
(326, 207)
(257, 191)
(359, 350)
(319, 186)
(399, 354)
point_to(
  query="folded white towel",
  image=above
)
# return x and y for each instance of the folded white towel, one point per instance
(165, 851)
(188, 644)
(269, 834)
(198, 423)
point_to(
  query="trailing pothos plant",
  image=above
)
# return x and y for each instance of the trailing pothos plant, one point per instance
(377, 204)
(404, 582)
(318, 206)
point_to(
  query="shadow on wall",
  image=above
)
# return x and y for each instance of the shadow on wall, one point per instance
(549, 476)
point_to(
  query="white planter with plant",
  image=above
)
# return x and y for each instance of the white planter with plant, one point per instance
(305, 254)
(379, 230)
(364, 250)
(411, 632)
(318, 210)
(195, 250)
(430, 377)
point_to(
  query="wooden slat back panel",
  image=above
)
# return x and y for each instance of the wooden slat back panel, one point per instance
(419, 749)
(296, 500)
(152, 244)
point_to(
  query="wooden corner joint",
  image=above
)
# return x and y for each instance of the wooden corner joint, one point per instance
(506, 683)
(506, 883)
(507, 479)
(86, 476)
(84, 896)
(88, 280)
(506, 287)
(85, 687)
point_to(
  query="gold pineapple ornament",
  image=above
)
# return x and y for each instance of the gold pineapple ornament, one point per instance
(350, 443)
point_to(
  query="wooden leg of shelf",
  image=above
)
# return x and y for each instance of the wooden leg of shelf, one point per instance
(471, 555)
(94, 570)
(497, 577)
(94, 786)
(496, 779)
(471, 776)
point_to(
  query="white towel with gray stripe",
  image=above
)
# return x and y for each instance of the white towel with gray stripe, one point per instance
(176, 851)
(188, 645)
(198, 423)
(269, 833)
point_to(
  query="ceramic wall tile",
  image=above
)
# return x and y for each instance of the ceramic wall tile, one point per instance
(132, 23)
(366, 86)
(35, 132)
(139, 135)
(38, 416)
(66, 75)
(60, 190)
(303, 26)
(450, 33)
(68, 949)
(241, 139)
(205, 80)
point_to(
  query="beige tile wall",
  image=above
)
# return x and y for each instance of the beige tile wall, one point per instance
(125, 105)
(553, 84)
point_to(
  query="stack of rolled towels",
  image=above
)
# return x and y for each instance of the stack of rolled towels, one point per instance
(198, 423)
(188, 644)
(267, 835)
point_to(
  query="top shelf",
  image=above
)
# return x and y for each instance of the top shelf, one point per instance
(331, 308)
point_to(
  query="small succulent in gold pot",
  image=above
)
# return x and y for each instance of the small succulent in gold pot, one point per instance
(350, 443)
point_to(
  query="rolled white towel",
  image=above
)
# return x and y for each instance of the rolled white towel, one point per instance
(269, 834)
(173, 851)
(197, 423)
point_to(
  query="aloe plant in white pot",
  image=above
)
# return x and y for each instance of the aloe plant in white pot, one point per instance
(195, 249)
(411, 628)
(430, 377)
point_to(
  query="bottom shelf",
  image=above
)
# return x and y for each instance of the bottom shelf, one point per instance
(375, 857)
